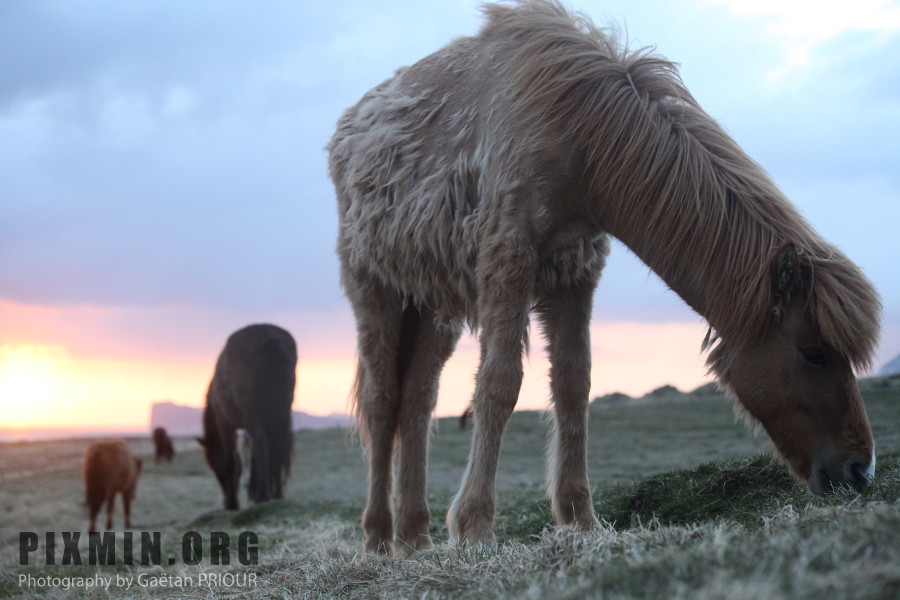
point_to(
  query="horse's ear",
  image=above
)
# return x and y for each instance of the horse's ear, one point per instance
(785, 277)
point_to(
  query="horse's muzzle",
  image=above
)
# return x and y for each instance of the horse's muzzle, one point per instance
(856, 472)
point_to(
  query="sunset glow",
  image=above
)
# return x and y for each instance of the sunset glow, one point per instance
(34, 384)
(46, 387)
(55, 384)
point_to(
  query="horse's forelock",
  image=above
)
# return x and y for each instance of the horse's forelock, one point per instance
(845, 307)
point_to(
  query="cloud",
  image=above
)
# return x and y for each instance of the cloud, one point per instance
(164, 166)
(142, 45)
(798, 27)
(833, 115)
(161, 155)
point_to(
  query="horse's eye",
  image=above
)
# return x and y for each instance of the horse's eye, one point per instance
(813, 355)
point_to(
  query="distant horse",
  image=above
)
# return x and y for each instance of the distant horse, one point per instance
(483, 183)
(163, 444)
(252, 389)
(110, 468)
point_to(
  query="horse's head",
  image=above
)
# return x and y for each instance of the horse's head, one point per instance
(801, 390)
(227, 470)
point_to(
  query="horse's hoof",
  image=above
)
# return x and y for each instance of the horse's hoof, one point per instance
(418, 544)
(474, 536)
(423, 554)
(379, 546)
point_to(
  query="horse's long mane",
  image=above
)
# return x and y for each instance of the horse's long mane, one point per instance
(662, 166)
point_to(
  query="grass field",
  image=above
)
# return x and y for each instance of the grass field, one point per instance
(693, 506)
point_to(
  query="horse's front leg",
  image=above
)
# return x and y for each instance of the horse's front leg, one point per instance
(504, 322)
(565, 316)
(232, 468)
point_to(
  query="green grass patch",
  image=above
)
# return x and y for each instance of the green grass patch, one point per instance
(743, 491)
(736, 489)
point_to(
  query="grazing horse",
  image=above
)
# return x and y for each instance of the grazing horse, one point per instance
(252, 389)
(483, 183)
(163, 445)
(110, 468)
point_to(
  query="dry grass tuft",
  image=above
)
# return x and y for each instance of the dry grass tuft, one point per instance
(835, 551)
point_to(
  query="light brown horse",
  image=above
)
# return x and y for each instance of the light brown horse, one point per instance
(110, 468)
(482, 184)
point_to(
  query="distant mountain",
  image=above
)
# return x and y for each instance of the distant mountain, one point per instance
(611, 399)
(892, 367)
(666, 391)
(187, 420)
(176, 419)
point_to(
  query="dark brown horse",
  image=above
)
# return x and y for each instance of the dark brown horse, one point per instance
(482, 184)
(165, 451)
(110, 468)
(252, 389)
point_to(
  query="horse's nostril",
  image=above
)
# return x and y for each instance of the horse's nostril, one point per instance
(854, 472)
(859, 475)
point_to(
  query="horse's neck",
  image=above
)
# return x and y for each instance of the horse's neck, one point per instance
(710, 247)
(682, 276)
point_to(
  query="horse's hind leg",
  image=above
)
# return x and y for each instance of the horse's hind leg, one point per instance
(565, 316)
(378, 310)
(281, 445)
(277, 471)
(94, 511)
(267, 468)
(258, 485)
(126, 508)
(424, 348)
(110, 504)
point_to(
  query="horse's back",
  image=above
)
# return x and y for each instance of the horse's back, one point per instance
(255, 375)
(109, 467)
(407, 187)
(441, 162)
(259, 345)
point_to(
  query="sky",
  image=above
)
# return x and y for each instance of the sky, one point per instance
(163, 182)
